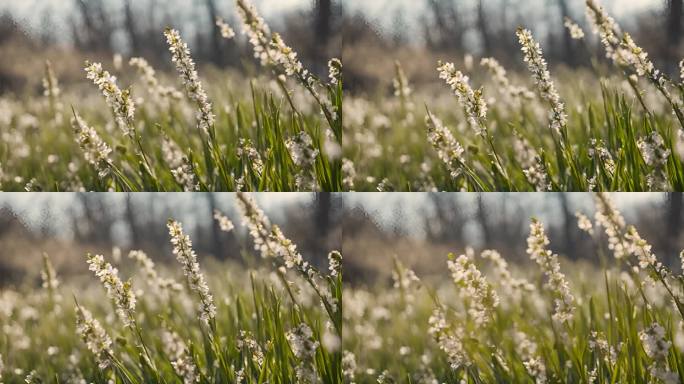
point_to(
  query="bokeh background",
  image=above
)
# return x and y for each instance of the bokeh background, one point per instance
(70, 31)
(69, 225)
(418, 33)
(421, 229)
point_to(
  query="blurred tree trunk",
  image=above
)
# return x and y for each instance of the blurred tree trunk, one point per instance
(445, 30)
(567, 39)
(448, 224)
(674, 22)
(216, 244)
(131, 27)
(568, 226)
(482, 27)
(323, 213)
(132, 223)
(323, 23)
(673, 213)
(97, 29)
(216, 53)
(484, 224)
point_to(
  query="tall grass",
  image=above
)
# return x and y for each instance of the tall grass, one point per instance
(282, 132)
(214, 323)
(616, 125)
(617, 319)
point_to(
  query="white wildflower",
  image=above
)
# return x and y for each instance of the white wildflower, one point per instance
(657, 347)
(348, 174)
(448, 149)
(95, 150)
(304, 154)
(481, 296)
(181, 361)
(225, 29)
(655, 155)
(186, 69)
(152, 277)
(575, 30)
(472, 100)
(223, 221)
(449, 341)
(119, 101)
(548, 262)
(610, 218)
(584, 223)
(304, 348)
(95, 338)
(182, 248)
(536, 63)
(121, 293)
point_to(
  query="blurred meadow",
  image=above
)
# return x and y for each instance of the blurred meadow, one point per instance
(195, 96)
(190, 288)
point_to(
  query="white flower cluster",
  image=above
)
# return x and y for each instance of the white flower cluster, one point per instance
(334, 71)
(537, 175)
(598, 150)
(148, 76)
(607, 29)
(575, 30)
(119, 292)
(532, 164)
(304, 154)
(50, 83)
(400, 83)
(472, 101)
(608, 217)
(304, 348)
(448, 149)
(504, 277)
(180, 55)
(548, 262)
(247, 150)
(348, 174)
(182, 248)
(257, 31)
(223, 221)
(642, 249)
(348, 367)
(655, 154)
(96, 339)
(257, 223)
(584, 223)
(180, 165)
(152, 277)
(657, 347)
(95, 150)
(48, 274)
(643, 66)
(181, 361)
(335, 263)
(287, 58)
(507, 89)
(246, 343)
(119, 101)
(527, 349)
(480, 295)
(599, 344)
(225, 29)
(447, 341)
(536, 63)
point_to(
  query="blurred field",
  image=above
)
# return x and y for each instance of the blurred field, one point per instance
(258, 318)
(488, 317)
(203, 117)
(599, 107)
